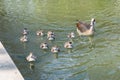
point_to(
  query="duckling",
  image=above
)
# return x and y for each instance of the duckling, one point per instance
(85, 29)
(24, 38)
(51, 35)
(31, 57)
(25, 31)
(68, 45)
(40, 33)
(55, 49)
(71, 35)
(44, 46)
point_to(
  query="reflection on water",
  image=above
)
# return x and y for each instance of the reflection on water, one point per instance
(55, 55)
(91, 58)
(32, 66)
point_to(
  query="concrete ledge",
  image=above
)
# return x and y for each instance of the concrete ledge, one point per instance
(8, 70)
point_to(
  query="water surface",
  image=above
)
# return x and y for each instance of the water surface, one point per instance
(97, 61)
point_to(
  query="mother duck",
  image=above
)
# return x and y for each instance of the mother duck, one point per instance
(85, 29)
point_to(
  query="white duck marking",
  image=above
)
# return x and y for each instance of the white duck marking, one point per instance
(31, 57)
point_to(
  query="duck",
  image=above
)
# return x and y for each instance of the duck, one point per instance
(50, 35)
(24, 38)
(40, 33)
(71, 35)
(25, 31)
(68, 45)
(31, 57)
(55, 49)
(85, 29)
(44, 46)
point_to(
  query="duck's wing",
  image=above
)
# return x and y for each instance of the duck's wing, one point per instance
(86, 25)
(82, 26)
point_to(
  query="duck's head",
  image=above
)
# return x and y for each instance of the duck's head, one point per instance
(45, 44)
(50, 32)
(25, 28)
(92, 21)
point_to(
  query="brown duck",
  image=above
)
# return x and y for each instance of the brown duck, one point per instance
(85, 29)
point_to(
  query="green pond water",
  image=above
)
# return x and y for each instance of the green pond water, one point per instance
(97, 61)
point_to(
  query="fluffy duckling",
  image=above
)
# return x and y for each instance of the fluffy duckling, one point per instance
(25, 31)
(51, 35)
(71, 35)
(85, 29)
(40, 33)
(24, 38)
(55, 49)
(68, 45)
(44, 46)
(31, 57)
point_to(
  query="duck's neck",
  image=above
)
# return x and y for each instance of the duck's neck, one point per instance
(92, 25)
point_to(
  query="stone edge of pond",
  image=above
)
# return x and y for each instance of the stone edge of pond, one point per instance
(8, 69)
